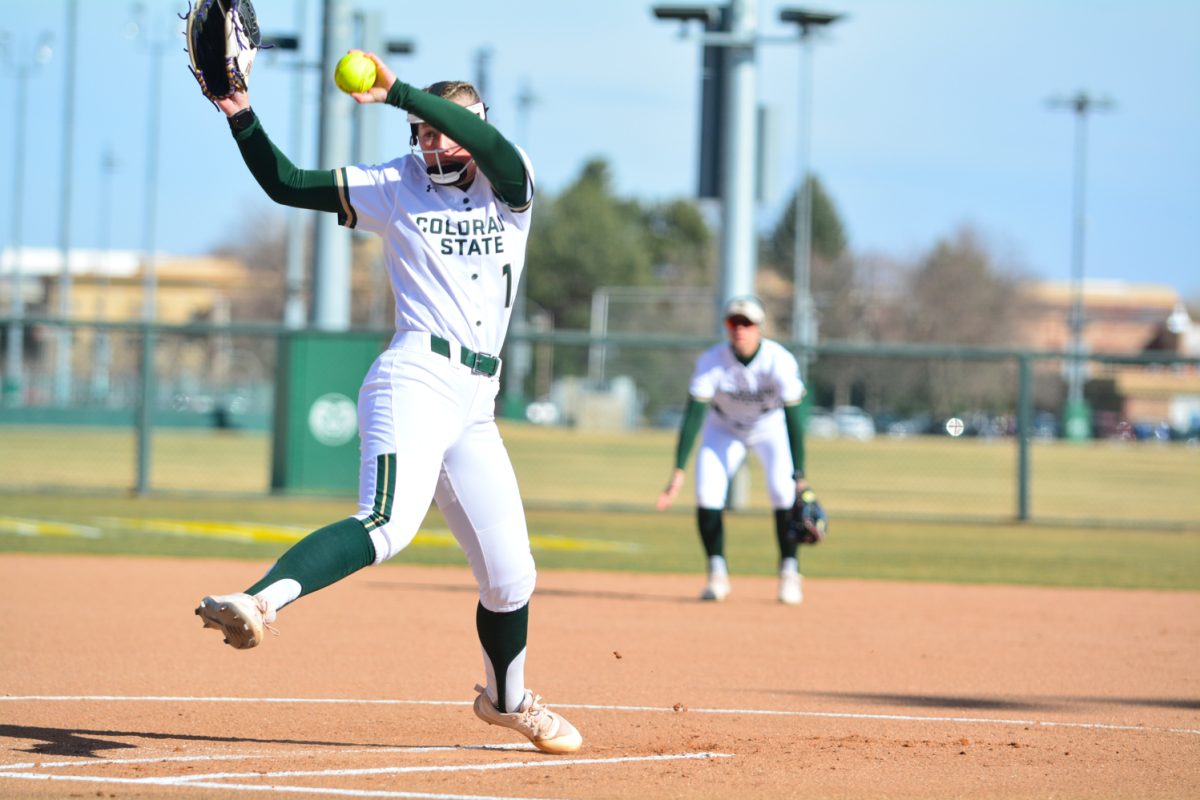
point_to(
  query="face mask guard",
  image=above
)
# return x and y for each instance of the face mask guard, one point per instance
(443, 173)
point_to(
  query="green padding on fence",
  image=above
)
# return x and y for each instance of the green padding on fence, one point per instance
(316, 416)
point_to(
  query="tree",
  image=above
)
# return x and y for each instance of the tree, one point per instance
(958, 293)
(828, 234)
(682, 246)
(585, 238)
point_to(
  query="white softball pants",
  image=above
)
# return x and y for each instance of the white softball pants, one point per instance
(723, 451)
(428, 431)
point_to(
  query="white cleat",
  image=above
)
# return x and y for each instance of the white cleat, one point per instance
(791, 590)
(241, 617)
(547, 729)
(717, 588)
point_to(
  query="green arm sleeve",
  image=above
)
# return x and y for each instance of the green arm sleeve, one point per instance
(692, 417)
(283, 182)
(496, 156)
(794, 420)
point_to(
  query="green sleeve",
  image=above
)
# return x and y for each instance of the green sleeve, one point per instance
(794, 419)
(692, 417)
(283, 182)
(496, 156)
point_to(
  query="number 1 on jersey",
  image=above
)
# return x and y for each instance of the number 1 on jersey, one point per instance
(507, 270)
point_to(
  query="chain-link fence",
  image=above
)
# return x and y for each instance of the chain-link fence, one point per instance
(933, 431)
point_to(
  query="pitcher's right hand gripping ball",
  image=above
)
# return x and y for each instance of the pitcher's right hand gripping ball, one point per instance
(807, 523)
(222, 39)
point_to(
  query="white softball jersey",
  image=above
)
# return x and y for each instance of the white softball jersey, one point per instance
(454, 257)
(745, 412)
(426, 419)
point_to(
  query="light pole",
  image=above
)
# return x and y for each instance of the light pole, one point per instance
(295, 314)
(1077, 417)
(520, 360)
(62, 356)
(804, 318)
(733, 28)
(14, 354)
(145, 411)
(102, 355)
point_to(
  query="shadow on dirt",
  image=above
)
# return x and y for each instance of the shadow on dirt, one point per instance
(79, 743)
(1001, 704)
(467, 588)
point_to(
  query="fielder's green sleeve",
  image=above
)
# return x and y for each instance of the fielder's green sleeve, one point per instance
(794, 420)
(282, 180)
(496, 156)
(693, 415)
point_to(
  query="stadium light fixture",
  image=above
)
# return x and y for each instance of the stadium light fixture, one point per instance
(708, 14)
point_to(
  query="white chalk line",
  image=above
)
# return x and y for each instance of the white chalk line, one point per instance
(564, 762)
(322, 790)
(1100, 726)
(218, 780)
(332, 750)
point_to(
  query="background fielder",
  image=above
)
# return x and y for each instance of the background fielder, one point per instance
(754, 389)
(454, 219)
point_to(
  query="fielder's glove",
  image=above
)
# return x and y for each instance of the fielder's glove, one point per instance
(807, 523)
(222, 39)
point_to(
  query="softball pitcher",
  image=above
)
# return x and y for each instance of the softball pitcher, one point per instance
(454, 217)
(753, 387)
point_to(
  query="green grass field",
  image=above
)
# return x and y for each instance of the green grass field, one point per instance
(936, 509)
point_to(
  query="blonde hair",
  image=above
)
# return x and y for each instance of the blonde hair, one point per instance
(451, 90)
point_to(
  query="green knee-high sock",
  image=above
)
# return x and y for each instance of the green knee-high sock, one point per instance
(503, 637)
(788, 548)
(323, 557)
(712, 531)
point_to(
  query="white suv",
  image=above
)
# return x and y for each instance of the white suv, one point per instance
(854, 423)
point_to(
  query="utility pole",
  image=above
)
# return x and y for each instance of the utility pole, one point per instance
(804, 317)
(14, 376)
(520, 360)
(156, 44)
(62, 355)
(331, 247)
(1077, 416)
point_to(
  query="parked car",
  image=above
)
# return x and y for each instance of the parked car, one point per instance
(1045, 425)
(820, 424)
(910, 426)
(854, 423)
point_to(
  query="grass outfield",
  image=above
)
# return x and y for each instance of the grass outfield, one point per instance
(926, 509)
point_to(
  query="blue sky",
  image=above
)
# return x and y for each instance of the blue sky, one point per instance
(927, 115)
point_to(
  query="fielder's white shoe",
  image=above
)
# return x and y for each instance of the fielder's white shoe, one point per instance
(548, 731)
(241, 617)
(791, 590)
(717, 588)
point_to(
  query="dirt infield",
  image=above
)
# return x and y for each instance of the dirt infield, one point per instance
(870, 689)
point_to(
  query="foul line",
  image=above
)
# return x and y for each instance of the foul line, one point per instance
(261, 788)
(216, 780)
(654, 709)
(268, 754)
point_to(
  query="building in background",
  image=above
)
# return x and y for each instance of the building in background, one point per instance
(108, 286)
(1124, 318)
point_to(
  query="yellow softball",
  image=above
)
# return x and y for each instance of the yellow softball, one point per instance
(355, 73)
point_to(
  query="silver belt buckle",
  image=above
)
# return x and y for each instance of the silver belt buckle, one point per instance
(475, 369)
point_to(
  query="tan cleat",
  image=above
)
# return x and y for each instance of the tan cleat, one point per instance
(791, 590)
(548, 731)
(241, 617)
(717, 588)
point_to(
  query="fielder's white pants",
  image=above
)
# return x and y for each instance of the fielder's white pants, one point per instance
(723, 451)
(437, 418)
